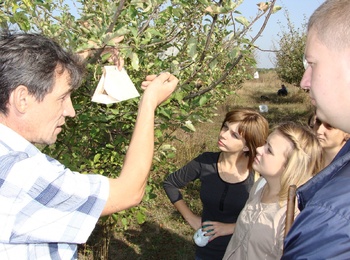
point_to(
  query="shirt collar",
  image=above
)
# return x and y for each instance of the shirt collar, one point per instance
(15, 142)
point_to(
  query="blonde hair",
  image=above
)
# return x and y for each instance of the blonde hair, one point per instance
(331, 23)
(304, 159)
(253, 127)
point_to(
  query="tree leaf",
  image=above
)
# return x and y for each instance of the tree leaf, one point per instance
(188, 124)
(134, 61)
(276, 8)
(203, 100)
(192, 48)
(242, 20)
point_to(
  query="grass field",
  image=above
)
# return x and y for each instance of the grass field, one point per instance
(165, 235)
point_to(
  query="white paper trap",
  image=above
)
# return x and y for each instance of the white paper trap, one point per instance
(114, 86)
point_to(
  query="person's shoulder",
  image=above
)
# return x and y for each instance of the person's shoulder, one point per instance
(215, 154)
(335, 194)
(209, 156)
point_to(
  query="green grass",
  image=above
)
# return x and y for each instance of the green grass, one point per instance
(166, 235)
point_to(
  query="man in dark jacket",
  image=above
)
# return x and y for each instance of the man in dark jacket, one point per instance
(322, 229)
(282, 91)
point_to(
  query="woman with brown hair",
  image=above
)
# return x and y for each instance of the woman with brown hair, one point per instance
(226, 178)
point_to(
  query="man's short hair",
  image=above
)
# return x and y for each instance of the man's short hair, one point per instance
(33, 60)
(330, 22)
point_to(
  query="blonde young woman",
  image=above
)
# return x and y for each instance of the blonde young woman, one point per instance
(331, 139)
(291, 155)
(226, 178)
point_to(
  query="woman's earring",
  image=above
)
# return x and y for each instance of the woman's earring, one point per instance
(245, 149)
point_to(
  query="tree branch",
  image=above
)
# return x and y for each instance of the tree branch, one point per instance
(99, 51)
(224, 75)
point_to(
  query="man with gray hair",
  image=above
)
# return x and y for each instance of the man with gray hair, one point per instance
(47, 209)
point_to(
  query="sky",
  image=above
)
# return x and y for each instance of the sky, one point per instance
(298, 11)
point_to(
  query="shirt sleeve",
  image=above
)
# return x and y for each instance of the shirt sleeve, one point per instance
(42, 201)
(180, 178)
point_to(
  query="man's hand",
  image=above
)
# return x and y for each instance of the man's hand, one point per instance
(159, 88)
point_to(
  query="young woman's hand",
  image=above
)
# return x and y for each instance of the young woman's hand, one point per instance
(217, 229)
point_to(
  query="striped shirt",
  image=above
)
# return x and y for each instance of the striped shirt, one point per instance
(46, 209)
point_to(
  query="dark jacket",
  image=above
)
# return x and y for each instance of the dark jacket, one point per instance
(322, 229)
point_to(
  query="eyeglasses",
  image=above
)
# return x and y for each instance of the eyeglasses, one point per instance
(305, 63)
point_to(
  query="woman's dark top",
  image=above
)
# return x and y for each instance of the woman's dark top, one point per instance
(222, 201)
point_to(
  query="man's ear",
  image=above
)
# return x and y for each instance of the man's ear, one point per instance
(20, 98)
(346, 137)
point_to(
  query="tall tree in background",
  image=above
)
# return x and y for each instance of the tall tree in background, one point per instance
(289, 56)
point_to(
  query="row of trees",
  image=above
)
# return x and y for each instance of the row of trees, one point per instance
(207, 44)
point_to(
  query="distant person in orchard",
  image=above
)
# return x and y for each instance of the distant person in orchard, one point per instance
(226, 178)
(282, 91)
(47, 209)
(322, 229)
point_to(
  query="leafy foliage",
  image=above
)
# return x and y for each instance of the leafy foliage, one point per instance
(289, 65)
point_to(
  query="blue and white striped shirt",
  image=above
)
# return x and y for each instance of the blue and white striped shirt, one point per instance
(45, 208)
